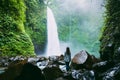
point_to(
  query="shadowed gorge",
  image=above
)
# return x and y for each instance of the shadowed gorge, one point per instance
(23, 26)
(82, 39)
(76, 28)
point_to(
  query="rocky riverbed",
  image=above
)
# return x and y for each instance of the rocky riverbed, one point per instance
(83, 67)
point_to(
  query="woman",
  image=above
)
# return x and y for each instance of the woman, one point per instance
(67, 58)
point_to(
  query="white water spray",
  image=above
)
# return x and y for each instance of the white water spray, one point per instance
(53, 47)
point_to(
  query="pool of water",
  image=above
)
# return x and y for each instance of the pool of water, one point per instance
(2, 70)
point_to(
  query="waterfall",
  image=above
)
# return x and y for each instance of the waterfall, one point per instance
(53, 47)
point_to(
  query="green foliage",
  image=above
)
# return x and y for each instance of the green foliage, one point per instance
(16, 10)
(36, 23)
(110, 37)
(13, 39)
(80, 28)
(12, 44)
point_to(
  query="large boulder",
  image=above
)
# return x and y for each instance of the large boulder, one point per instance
(21, 70)
(83, 75)
(4, 61)
(83, 60)
(30, 72)
(52, 73)
(103, 66)
(80, 57)
(111, 74)
(14, 70)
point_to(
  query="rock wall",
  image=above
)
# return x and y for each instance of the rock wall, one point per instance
(22, 27)
(35, 24)
(110, 40)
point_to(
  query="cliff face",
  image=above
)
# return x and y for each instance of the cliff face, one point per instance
(13, 37)
(110, 40)
(22, 27)
(36, 24)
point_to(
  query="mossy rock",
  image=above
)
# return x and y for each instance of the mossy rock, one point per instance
(13, 37)
(109, 48)
(12, 44)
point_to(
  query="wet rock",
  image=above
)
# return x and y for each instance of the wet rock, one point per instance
(83, 60)
(41, 59)
(4, 64)
(4, 61)
(86, 75)
(54, 63)
(61, 57)
(33, 60)
(56, 58)
(103, 66)
(61, 62)
(52, 73)
(78, 60)
(111, 74)
(80, 57)
(89, 69)
(18, 58)
(53, 58)
(76, 74)
(116, 55)
(13, 70)
(62, 68)
(68, 76)
(61, 78)
(42, 64)
(2, 69)
(11, 59)
(30, 72)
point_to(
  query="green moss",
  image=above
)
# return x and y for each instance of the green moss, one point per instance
(16, 10)
(13, 38)
(110, 37)
(16, 44)
(36, 23)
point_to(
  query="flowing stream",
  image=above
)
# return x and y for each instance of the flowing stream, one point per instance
(53, 47)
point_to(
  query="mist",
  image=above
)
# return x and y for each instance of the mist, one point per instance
(83, 20)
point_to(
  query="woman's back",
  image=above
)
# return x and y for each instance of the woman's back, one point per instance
(67, 55)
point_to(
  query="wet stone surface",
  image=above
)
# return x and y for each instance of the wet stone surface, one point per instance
(54, 68)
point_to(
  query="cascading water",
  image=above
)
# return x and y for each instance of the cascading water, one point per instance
(53, 47)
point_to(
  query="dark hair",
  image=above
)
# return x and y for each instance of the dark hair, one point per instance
(68, 51)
